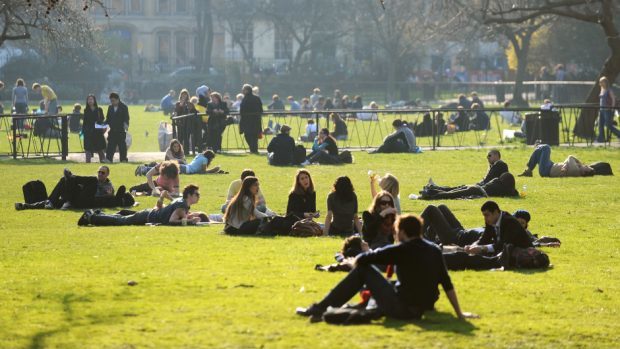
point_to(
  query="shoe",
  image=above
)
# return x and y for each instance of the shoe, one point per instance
(66, 206)
(85, 218)
(305, 163)
(526, 173)
(67, 173)
(49, 205)
(19, 206)
(413, 197)
(312, 311)
(138, 171)
(430, 182)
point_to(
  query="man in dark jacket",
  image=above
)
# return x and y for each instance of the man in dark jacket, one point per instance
(504, 186)
(281, 148)
(496, 166)
(118, 120)
(250, 123)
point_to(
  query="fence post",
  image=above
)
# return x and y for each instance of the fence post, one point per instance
(434, 129)
(317, 116)
(64, 141)
(14, 140)
(174, 128)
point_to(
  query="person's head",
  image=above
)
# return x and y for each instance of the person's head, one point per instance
(247, 173)
(493, 156)
(321, 100)
(381, 201)
(310, 122)
(323, 134)
(285, 129)
(239, 96)
(343, 188)
(397, 123)
(255, 90)
(77, 107)
(523, 217)
(358, 99)
(114, 98)
(491, 212)
(275, 98)
(408, 227)
(335, 117)
(507, 103)
(290, 99)
(474, 95)
(247, 89)
(508, 181)
(586, 171)
(194, 100)
(337, 93)
(183, 96)
(176, 147)
(389, 183)
(20, 82)
(91, 101)
(373, 105)
(305, 101)
(216, 97)
(249, 189)
(172, 93)
(191, 194)
(316, 90)
(169, 169)
(59, 108)
(36, 87)
(209, 155)
(475, 106)
(303, 183)
(354, 245)
(102, 173)
(603, 82)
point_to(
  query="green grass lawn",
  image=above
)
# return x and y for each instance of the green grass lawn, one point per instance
(66, 286)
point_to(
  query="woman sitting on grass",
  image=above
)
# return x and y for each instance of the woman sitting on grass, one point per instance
(168, 180)
(378, 226)
(302, 198)
(324, 150)
(388, 183)
(342, 218)
(242, 217)
(173, 153)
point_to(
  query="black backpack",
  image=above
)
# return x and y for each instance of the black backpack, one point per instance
(346, 157)
(299, 155)
(34, 191)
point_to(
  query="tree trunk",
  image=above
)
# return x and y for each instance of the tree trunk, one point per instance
(391, 79)
(522, 52)
(205, 35)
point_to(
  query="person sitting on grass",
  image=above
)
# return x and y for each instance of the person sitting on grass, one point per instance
(402, 140)
(73, 191)
(234, 188)
(325, 150)
(389, 183)
(281, 148)
(341, 131)
(571, 167)
(242, 217)
(501, 229)
(351, 248)
(419, 268)
(167, 180)
(378, 221)
(302, 197)
(504, 186)
(341, 218)
(177, 212)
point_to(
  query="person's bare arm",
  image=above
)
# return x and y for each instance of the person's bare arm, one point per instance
(358, 223)
(149, 179)
(454, 301)
(328, 222)
(178, 215)
(373, 186)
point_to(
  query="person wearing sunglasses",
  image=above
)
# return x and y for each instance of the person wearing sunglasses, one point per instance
(378, 225)
(73, 191)
(176, 213)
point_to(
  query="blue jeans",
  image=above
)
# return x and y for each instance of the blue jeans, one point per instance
(382, 291)
(541, 157)
(606, 118)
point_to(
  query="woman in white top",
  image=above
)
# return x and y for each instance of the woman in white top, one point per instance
(242, 217)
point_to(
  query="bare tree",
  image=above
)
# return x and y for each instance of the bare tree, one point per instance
(204, 28)
(238, 18)
(58, 22)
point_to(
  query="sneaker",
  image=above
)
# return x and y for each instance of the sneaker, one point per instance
(312, 311)
(430, 182)
(526, 173)
(48, 205)
(85, 218)
(67, 173)
(19, 206)
(66, 206)
(413, 197)
(138, 171)
(305, 163)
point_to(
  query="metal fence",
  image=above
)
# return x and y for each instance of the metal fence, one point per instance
(36, 136)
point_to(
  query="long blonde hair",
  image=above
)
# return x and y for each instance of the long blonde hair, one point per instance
(390, 184)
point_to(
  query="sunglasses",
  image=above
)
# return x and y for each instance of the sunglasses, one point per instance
(102, 172)
(385, 202)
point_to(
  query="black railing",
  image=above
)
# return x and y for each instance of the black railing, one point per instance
(31, 135)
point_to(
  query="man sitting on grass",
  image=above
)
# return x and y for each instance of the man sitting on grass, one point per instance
(419, 268)
(175, 213)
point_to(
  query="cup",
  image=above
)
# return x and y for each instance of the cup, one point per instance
(184, 221)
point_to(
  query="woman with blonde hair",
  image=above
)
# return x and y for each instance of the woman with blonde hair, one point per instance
(378, 227)
(387, 183)
(606, 115)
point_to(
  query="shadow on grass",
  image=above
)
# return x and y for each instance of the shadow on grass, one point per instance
(435, 321)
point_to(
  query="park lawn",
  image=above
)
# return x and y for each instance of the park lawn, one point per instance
(66, 286)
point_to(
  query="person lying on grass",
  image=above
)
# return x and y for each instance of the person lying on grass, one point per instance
(571, 167)
(199, 165)
(419, 269)
(504, 186)
(167, 180)
(177, 212)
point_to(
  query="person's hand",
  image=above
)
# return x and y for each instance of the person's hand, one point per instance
(163, 194)
(350, 261)
(155, 192)
(195, 219)
(468, 315)
(473, 249)
(387, 211)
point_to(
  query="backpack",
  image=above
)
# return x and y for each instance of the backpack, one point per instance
(277, 225)
(299, 155)
(346, 157)
(524, 258)
(602, 169)
(34, 191)
(306, 228)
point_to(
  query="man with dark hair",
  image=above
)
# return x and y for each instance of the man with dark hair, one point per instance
(504, 186)
(419, 268)
(250, 123)
(281, 148)
(118, 120)
(402, 140)
(497, 166)
(175, 213)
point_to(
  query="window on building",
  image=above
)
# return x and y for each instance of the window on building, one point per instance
(164, 47)
(283, 45)
(182, 6)
(135, 7)
(117, 7)
(244, 32)
(163, 7)
(182, 48)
